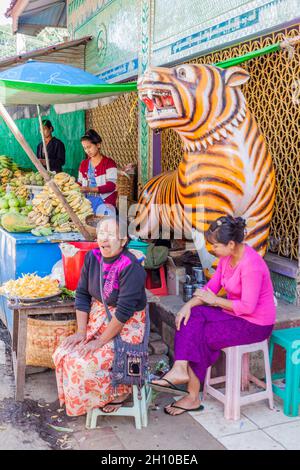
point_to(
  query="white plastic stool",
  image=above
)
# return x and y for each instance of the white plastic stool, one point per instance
(139, 410)
(237, 374)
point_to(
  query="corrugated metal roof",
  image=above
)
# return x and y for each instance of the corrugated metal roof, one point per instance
(31, 16)
(69, 52)
(8, 11)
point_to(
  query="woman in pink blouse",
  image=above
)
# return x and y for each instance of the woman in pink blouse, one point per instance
(209, 323)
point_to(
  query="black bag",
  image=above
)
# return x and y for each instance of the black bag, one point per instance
(130, 365)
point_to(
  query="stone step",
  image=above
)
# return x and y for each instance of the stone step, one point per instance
(159, 347)
(154, 337)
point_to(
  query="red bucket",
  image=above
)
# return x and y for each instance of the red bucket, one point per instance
(73, 264)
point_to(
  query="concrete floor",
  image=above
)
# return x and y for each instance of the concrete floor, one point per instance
(27, 425)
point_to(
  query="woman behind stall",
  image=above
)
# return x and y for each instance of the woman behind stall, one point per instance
(55, 149)
(84, 360)
(97, 174)
(208, 323)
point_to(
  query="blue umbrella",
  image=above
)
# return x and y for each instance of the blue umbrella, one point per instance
(44, 75)
(50, 73)
(47, 83)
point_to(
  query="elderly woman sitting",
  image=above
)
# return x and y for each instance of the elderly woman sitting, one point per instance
(84, 360)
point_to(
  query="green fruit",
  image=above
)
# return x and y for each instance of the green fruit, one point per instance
(25, 210)
(15, 222)
(4, 204)
(13, 202)
(22, 201)
(14, 210)
(36, 233)
(45, 231)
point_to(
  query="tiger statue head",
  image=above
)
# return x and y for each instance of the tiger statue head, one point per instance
(184, 98)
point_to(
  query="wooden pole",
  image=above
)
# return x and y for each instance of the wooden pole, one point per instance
(21, 139)
(43, 138)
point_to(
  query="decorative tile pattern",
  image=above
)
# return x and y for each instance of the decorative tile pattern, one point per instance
(272, 98)
(187, 14)
(144, 60)
(284, 287)
(222, 23)
(114, 25)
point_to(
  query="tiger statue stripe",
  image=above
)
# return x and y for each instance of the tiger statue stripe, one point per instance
(226, 168)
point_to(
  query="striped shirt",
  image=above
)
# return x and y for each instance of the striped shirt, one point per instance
(105, 176)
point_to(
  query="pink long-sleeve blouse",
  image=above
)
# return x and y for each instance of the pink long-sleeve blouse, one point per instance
(248, 285)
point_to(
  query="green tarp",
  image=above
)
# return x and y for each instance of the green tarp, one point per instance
(17, 92)
(68, 127)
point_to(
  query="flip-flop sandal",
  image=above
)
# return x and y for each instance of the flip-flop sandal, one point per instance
(171, 388)
(185, 410)
(115, 403)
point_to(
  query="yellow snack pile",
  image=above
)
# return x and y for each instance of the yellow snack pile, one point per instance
(30, 286)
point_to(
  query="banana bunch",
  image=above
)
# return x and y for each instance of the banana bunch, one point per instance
(22, 192)
(38, 219)
(5, 177)
(17, 186)
(8, 171)
(66, 182)
(5, 162)
(48, 210)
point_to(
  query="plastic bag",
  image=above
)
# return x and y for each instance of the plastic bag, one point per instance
(57, 273)
(68, 250)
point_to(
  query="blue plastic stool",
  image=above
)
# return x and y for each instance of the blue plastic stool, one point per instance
(289, 339)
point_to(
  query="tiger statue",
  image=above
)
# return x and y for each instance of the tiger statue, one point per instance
(226, 168)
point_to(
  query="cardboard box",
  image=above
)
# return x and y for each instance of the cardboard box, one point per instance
(175, 274)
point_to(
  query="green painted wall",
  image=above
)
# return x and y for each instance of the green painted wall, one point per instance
(68, 127)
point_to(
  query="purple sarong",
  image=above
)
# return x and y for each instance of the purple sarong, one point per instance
(209, 330)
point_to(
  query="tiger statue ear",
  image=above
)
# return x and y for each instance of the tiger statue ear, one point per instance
(236, 76)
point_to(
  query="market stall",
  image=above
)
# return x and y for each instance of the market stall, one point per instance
(35, 83)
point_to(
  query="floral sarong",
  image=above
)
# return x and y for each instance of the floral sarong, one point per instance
(84, 382)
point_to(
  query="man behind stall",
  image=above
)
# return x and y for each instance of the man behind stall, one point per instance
(55, 148)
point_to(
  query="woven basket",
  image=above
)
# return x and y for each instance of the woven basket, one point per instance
(43, 337)
(125, 184)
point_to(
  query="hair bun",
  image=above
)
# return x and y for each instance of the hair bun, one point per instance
(240, 222)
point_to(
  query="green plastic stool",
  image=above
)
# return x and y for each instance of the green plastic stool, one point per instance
(289, 339)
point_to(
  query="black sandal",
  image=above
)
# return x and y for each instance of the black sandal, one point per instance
(185, 410)
(115, 403)
(171, 388)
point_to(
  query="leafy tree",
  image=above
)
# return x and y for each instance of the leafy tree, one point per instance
(47, 37)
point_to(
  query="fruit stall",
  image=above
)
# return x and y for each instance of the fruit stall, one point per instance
(33, 226)
(35, 223)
